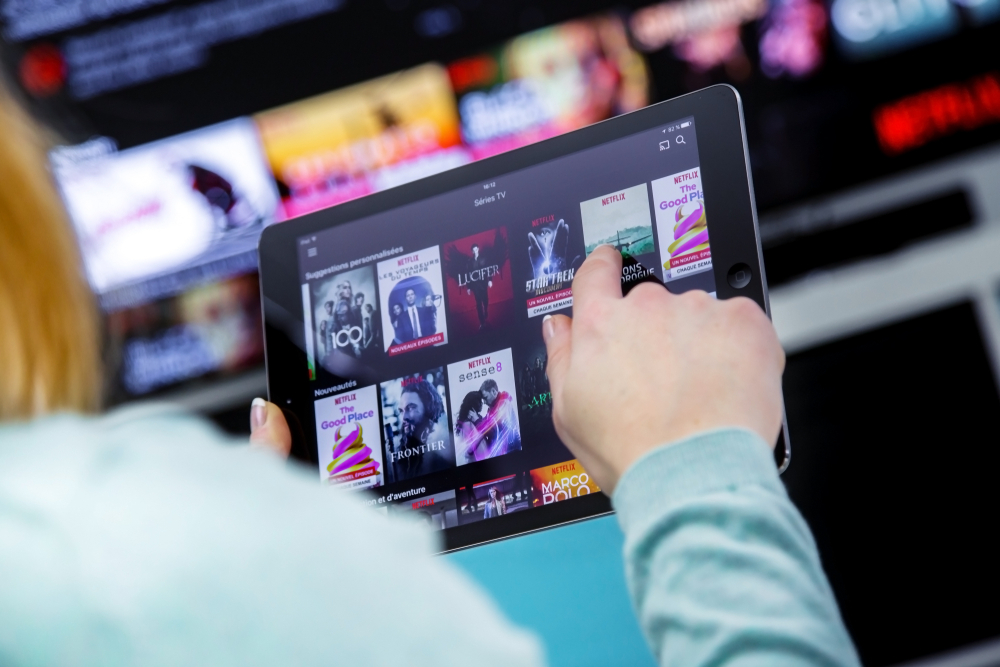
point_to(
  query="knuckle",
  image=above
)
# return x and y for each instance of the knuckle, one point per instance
(746, 313)
(583, 271)
(696, 299)
(595, 316)
(744, 307)
(647, 294)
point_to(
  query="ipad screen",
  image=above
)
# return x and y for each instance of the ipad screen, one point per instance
(422, 324)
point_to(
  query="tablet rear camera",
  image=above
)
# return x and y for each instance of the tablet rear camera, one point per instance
(739, 276)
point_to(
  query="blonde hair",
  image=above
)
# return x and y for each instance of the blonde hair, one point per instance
(49, 326)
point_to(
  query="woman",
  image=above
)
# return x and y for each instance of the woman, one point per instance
(429, 307)
(397, 312)
(142, 537)
(495, 506)
(469, 437)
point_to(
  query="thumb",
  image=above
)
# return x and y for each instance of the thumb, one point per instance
(268, 428)
(557, 332)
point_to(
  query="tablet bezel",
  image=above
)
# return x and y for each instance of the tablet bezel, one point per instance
(727, 184)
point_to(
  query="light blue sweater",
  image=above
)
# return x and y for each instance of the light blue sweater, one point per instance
(142, 538)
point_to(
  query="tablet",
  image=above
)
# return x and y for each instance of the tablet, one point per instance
(404, 329)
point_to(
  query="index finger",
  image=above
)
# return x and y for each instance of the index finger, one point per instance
(600, 277)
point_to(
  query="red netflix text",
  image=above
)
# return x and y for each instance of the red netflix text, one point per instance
(913, 121)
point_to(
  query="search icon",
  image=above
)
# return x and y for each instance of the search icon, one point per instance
(680, 139)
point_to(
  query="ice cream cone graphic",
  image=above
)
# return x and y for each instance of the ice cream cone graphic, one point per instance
(351, 456)
(690, 232)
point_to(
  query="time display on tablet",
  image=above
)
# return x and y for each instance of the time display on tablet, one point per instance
(422, 323)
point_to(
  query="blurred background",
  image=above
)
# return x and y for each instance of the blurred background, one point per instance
(186, 127)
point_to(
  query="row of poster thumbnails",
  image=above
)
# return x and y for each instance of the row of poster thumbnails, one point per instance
(496, 497)
(411, 314)
(417, 441)
(430, 421)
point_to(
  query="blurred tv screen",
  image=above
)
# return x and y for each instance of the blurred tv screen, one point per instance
(189, 126)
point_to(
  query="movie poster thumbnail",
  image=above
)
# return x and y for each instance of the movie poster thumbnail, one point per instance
(554, 257)
(437, 511)
(412, 295)
(484, 407)
(488, 500)
(562, 481)
(681, 224)
(621, 219)
(415, 426)
(348, 436)
(535, 397)
(346, 319)
(480, 289)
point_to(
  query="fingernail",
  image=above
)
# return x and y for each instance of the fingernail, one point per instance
(548, 328)
(258, 413)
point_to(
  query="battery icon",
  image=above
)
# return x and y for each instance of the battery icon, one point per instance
(687, 124)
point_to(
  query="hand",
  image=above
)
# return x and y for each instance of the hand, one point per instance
(631, 374)
(269, 429)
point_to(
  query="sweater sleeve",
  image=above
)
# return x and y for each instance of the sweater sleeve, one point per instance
(721, 567)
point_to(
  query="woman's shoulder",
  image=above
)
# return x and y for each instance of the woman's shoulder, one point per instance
(150, 424)
(151, 459)
(73, 449)
(115, 418)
